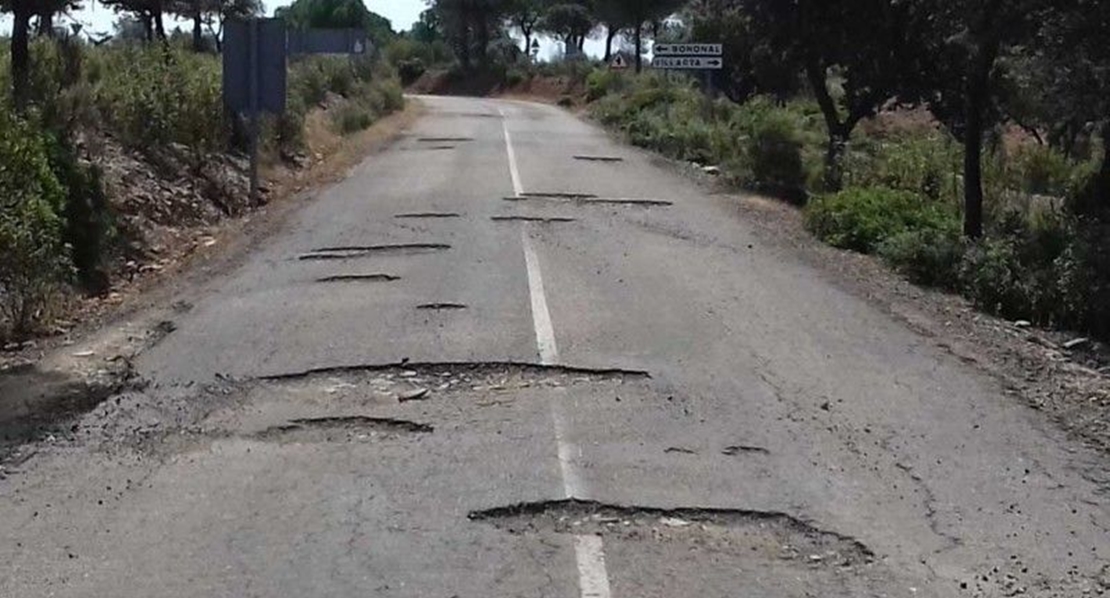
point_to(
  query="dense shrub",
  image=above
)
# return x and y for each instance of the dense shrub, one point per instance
(1040, 170)
(602, 82)
(151, 97)
(775, 151)
(31, 199)
(860, 219)
(929, 165)
(929, 256)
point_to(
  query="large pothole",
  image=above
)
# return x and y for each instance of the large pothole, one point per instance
(349, 428)
(747, 533)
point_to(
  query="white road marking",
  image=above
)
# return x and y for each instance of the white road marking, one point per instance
(572, 483)
(589, 553)
(593, 580)
(513, 172)
(541, 318)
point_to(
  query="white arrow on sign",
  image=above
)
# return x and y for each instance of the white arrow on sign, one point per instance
(691, 49)
(687, 62)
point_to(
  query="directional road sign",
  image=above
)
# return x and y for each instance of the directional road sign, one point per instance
(254, 65)
(687, 62)
(691, 49)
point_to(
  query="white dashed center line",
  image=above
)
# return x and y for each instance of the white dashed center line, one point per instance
(593, 579)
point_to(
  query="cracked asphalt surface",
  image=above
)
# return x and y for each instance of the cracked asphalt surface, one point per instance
(725, 419)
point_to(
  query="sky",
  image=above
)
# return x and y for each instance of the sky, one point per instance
(401, 14)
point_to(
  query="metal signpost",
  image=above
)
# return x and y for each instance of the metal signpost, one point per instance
(704, 58)
(254, 76)
(255, 72)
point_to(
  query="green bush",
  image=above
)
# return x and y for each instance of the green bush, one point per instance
(860, 219)
(155, 96)
(929, 256)
(775, 151)
(31, 199)
(602, 82)
(1041, 170)
(352, 117)
(991, 276)
(410, 70)
(926, 165)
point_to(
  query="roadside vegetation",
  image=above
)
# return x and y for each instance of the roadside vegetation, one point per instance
(1042, 257)
(146, 105)
(963, 142)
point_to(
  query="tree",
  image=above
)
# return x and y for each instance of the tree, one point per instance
(638, 14)
(426, 30)
(198, 12)
(569, 21)
(525, 15)
(22, 12)
(959, 74)
(149, 12)
(232, 9)
(751, 65)
(1068, 75)
(470, 25)
(611, 14)
(864, 44)
(337, 14)
(49, 9)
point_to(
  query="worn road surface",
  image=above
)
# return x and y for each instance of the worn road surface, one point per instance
(492, 364)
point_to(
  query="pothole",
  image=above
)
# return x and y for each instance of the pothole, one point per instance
(344, 252)
(359, 278)
(531, 219)
(444, 139)
(738, 449)
(554, 195)
(466, 371)
(428, 215)
(585, 198)
(628, 201)
(335, 429)
(586, 158)
(470, 114)
(740, 532)
(441, 306)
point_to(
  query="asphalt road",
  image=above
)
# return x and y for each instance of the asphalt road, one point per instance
(620, 399)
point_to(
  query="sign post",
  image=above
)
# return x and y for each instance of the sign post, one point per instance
(254, 69)
(703, 58)
(254, 77)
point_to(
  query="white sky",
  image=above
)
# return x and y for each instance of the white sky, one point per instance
(401, 13)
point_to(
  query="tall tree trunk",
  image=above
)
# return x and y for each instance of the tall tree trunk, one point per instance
(839, 131)
(159, 26)
(148, 25)
(978, 94)
(198, 32)
(46, 24)
(610, 33)
(973, 170)
(21, 54)
(639, 46)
